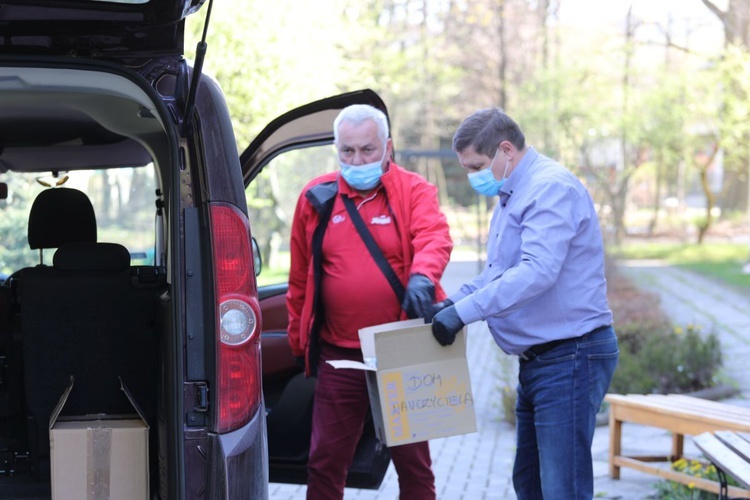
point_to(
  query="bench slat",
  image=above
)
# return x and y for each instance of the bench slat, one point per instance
(677, 422)
(735, 442)
(719, 415)
(714, 406)
(668, 422)
(723, 457)
(688, 404)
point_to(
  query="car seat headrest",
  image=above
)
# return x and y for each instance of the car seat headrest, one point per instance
(86, 256)
(59, 216)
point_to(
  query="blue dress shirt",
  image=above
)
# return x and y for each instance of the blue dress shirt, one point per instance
(544, 277)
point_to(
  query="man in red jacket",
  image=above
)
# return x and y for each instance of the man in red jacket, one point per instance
(337, 285)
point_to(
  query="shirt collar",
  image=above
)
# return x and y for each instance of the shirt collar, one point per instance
(520, 171)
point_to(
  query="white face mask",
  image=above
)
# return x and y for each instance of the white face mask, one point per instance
(363, 177)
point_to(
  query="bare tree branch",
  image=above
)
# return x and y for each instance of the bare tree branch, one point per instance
(670, 44)
(713, 8)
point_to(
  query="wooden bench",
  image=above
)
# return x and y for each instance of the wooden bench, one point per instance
(730, 453)
(681, 415)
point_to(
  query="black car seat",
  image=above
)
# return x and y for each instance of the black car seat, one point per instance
(57, 216)
(12, 435)
(87, 316)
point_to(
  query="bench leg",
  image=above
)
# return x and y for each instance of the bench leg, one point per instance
(678, 441)
(723, 485)
(615, 438)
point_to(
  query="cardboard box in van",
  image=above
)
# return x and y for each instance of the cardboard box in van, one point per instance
(419, 390)
(98, 456)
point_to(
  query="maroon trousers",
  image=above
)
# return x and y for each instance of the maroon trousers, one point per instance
(339, 410)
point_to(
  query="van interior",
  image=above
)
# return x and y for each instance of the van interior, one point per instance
(85, 299)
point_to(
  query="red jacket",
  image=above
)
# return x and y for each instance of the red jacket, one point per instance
(424, 232)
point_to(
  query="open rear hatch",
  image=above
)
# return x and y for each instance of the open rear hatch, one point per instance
(94, 28)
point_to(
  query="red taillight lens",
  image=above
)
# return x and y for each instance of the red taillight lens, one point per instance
(233, 256)
(238, 383)
(238, 372)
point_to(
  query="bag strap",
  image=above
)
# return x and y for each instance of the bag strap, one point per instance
(374, 249)
(321, 197)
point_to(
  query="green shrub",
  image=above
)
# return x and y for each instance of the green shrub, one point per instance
(633, 336)
(629, 377)
(678, 361)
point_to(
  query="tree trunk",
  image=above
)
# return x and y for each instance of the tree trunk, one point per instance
(657, 193)
(503, 55)
(710, 200)
(705, 225)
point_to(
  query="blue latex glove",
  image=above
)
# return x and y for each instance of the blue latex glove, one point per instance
(420, 294)
(446, 324)
(435, 309)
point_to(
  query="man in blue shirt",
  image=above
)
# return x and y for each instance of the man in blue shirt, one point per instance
(543, 294)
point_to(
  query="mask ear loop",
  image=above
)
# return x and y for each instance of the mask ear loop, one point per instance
(385, 158)
(505, 171)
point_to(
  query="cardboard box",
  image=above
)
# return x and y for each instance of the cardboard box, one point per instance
(419, 390)
(98, 456)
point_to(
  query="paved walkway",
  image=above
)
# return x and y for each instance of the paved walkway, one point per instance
(478, 466)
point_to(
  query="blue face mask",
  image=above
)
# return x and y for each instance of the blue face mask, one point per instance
(484, 181)
(362, 177)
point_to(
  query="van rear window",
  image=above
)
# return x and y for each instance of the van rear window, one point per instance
(123, 200)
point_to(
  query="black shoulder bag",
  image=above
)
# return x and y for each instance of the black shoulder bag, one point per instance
(374, 249)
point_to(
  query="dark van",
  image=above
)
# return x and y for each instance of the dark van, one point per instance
(127, 258)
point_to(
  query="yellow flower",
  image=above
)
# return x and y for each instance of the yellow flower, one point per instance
(691, 485)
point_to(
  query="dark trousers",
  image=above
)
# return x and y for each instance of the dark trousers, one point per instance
(339, 411)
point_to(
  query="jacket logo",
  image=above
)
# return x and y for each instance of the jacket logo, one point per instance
(338, 218)
(381, 219)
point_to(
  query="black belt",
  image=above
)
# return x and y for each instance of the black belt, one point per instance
(537, 350)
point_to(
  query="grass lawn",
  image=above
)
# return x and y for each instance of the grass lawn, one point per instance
(723, 261)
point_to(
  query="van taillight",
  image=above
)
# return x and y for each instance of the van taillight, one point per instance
(238, 374)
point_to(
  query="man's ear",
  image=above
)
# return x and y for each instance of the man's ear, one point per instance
(507, 148)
